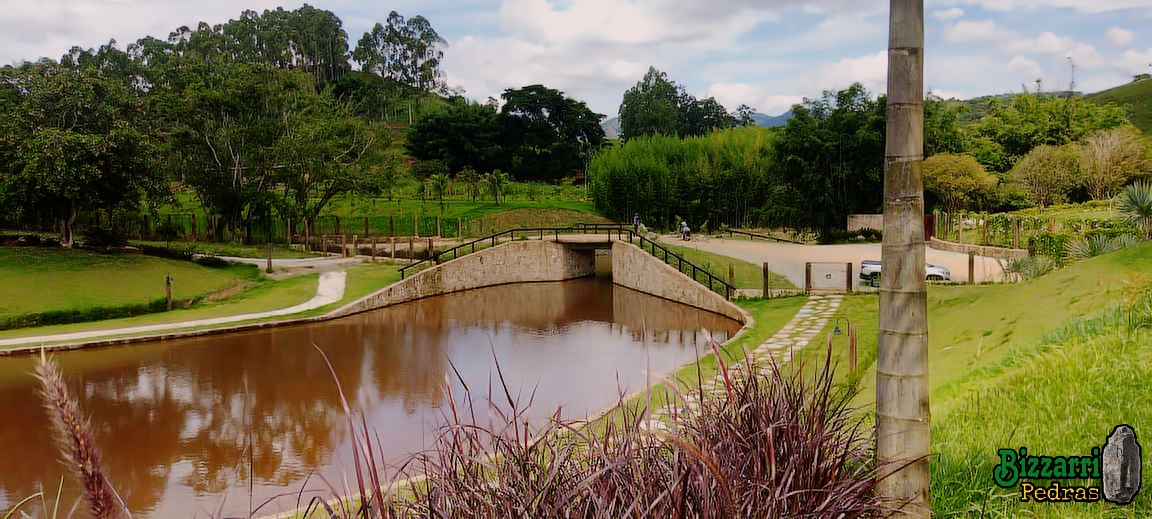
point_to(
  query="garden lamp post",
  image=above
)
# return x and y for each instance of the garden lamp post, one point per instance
(851, 330)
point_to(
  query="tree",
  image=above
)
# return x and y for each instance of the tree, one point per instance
(657, 106)
(439, 183)
(831, 155)
(1009, 131)
(318, 155)
(942, 127)
(406, 51)
(903, 434)
(464, 135)
(496, 182)
(1110, 158)
(1048, 173)
(1135, 206)
(547, 135)
(650, 107)
(743, 116)
(470, 178)
(72, 139)
(956, 179)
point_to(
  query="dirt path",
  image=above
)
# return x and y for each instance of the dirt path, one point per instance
(788, 259)
(329, 290)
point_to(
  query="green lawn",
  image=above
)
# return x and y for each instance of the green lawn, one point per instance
(279, 251)
(41, 279)
(264, 296)
(748, 275)
(1052, 364)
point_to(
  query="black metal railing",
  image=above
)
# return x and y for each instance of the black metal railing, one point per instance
(620, 232)
(753, 235)
(435, 257)
(715, 283)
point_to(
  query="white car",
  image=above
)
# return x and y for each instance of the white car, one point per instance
(870, 271)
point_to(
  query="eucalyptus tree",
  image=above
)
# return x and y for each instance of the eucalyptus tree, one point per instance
(903, 437)
(406, 51)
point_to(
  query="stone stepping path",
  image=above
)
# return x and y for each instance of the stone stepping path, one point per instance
(780, 348)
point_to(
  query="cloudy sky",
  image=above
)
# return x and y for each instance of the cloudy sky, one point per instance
(768, 54)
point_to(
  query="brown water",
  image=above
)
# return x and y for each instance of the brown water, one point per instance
(175, 420)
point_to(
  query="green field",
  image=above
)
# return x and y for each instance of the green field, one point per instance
(1137, 95)
(264, 295)
(1052, 364)
(41, 279)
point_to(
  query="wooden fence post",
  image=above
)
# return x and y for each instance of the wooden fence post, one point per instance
(415, 226)
(852, 346)
(732, 274)
(411, 248)
(373, 249)
(848, 277)
(767, 282)
(393, 240)
(168, 290)
(438, 232)
(429, 248)
(971, 268)
(355, 245)
(808, 277)
(1015, 232)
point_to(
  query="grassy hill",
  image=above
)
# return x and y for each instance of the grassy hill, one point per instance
(1137, 95)
(1052, 363)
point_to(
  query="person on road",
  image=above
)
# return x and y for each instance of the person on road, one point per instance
(636, 223)
(685, 232)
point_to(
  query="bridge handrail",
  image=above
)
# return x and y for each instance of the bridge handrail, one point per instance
(434, 257)
(751, 235)
(714, 281)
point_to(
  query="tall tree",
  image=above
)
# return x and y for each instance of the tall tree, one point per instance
(903, 437)
(72, 139)
(463, 135)
(546, 134)
(831, 154)
(657, 106)
(406, 51)
(650, 107)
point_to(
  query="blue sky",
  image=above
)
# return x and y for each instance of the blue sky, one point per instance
(768, 54)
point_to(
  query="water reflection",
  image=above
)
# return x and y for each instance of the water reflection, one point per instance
(186, 425)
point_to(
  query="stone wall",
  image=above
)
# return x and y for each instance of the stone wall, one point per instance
(979, 250)
(515, 262)
(865, 221)
(640, 271)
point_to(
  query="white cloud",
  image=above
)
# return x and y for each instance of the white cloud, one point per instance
(1021, 64)
(1120, 37)
(870, 71)
(1134, 62)
(732, 95)
(1084, 55)
(1085, 6)
(949, 14)
(965, 31)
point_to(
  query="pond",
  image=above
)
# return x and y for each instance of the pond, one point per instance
(217, 425)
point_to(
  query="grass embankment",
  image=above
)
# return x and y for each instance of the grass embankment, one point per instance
(39, 280)
(264, 295)
(1052, 364)
(748, 275)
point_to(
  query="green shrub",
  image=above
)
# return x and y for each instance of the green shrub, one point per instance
(1050, 245)
(101, 238)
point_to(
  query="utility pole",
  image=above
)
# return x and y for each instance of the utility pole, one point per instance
(903, 446)
(1072, 82)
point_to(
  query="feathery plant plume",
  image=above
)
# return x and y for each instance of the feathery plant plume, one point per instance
(74, 439)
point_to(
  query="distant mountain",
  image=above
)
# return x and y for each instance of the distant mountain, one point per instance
(612, 126)
(768, 121)
(1137, 95)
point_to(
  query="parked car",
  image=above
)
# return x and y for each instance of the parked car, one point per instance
(870, 272)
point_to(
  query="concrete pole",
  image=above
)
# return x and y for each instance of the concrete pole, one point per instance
(903, 439)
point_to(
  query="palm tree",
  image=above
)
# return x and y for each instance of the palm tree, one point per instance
(497, 183)
(440, 185)
(903, 436)
(1135, 206)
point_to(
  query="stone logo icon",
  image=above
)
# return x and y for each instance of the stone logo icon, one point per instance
(1121, 460)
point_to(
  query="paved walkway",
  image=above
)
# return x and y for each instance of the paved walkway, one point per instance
(787, 259)
(328, 291)
(781, 348)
